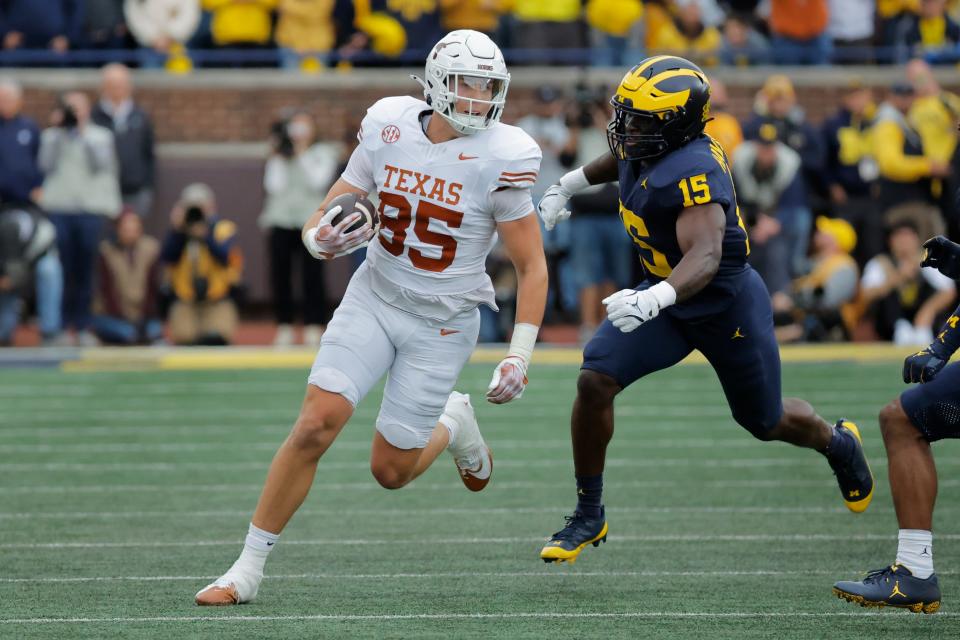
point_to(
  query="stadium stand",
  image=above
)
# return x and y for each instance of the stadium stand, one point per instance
(209, 87)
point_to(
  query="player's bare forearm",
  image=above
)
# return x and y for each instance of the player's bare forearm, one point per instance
(338, 188)
(602, 170)
(700, 235)
(521, 239)
(531, 295)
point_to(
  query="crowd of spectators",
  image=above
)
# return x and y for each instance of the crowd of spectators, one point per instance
(311, 34)
(73, 197)
(868, 185)
(835, 212)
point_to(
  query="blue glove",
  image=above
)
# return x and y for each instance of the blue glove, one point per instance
(943, 255)
(924, 366)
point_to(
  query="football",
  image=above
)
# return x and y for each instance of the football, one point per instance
(350, 203)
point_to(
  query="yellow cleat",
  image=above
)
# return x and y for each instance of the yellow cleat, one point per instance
(566, 544)
(853, 474)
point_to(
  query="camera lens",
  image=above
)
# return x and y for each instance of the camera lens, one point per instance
(193, 215)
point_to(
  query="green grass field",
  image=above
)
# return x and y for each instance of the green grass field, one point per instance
(124, 493)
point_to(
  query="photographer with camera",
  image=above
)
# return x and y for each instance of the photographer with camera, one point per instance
(297, 175)
(81, 190)
(818, 306)
(204, 265)
(28, 258)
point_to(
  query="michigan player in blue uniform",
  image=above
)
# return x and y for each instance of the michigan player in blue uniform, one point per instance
(678, 204)
(921, 415)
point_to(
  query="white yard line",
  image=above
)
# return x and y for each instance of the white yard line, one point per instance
(439, 511)
(352, 445)
(334, 542)
(425, 486)
(563, 574)
(225, 411)
(536, 615)
(563, 463)
(361, 420)
(115, 389)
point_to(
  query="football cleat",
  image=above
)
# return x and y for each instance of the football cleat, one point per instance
(565, 545)
(231, 588)
(893, 586)
(853, 474)
(471, 454)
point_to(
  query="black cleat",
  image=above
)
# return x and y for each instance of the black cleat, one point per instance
(565, 545)
(892, 586)
(853, 474)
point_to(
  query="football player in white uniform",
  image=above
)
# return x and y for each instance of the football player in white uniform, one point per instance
(449, 176)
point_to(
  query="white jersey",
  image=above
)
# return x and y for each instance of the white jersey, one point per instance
(438, 207)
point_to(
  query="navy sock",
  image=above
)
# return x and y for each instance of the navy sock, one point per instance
(590, 495)
(842, 445)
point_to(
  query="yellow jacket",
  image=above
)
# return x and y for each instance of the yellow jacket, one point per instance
(482, 15)
(891, 8)
(201, 264)
(934, 118)
(615, 17)
(547, 10)
(704, 46)
(894, 164)
(240, 21)
(655, 18)
(823, 270)
(306, 25)
(725, 129)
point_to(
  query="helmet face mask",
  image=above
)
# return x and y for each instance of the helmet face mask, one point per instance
(466, 70)
(472, 103)
(661, 104)
(638, 135)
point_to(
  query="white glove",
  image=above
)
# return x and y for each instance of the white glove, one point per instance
(552, 206)
(509, 380)
(326, 241)
(627, 309)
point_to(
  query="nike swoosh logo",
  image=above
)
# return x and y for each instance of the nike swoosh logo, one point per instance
(463, 157)
(270, 544)
(474, 471)
(447, 332)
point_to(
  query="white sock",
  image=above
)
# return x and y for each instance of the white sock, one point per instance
(451, 426)
(915, 552)
(256, 548)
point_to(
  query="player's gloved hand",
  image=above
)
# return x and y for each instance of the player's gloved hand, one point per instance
(627, 309)
(923, 366)
(326, 241)
(552, 206)
(943, 255)
(509, 380)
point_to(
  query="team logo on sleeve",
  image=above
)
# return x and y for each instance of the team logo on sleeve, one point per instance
(390, 133)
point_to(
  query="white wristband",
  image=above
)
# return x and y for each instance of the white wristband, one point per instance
(575, 181)
(310, 242)
(664, 294)
(524, 337)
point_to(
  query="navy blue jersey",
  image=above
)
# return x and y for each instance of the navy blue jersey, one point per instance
(934, 407)
(653, 196)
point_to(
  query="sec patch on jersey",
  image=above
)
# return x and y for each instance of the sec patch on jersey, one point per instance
(350, 203)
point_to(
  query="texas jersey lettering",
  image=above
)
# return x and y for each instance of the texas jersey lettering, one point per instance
(437, 218)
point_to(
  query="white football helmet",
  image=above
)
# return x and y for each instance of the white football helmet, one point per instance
(466, 57)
